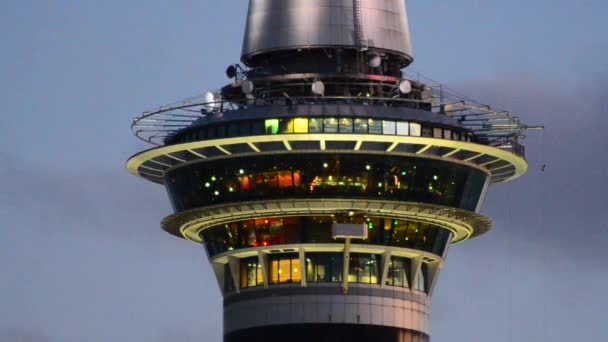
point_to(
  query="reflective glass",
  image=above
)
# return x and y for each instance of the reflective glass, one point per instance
(361, 126)
(325, 176)
(389, 127)
(364, 268)
(317, 229)
(300, 125)
(375, 126)
(403, 128)
(346, 125)
(315, 125)
(272, 126)
(415, 129)
(330, 125)
(251, 272)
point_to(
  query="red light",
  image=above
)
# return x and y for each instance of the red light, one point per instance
(265, 243)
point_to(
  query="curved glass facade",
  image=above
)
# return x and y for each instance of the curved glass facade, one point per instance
(305, 125)
(325, 175)
(317, 229)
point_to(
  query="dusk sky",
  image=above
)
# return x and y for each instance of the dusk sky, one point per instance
(82, 255)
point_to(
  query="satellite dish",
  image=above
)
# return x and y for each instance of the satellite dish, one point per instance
(247, 87)
(210, 104)
(231, 71)
(405, 87)
(318, 88)
(375, 61)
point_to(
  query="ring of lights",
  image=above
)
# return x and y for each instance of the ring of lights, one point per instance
(501, 165)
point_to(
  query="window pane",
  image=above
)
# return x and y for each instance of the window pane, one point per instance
(324, 267)
(330, 125)
(403, 128)
(286, 126)
(375, 126)
(415, 129)
(361, 126)
(346, 125)
(315, 125)
(388, 127)
(427, 131)
(437, 133)
(300, 125)
(447, 134)
(257, 128)
(272, 126)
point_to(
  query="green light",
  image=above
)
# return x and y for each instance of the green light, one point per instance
(435, 177)
(241, 171)
(431, 187)
(231, 189)
(368, 95)
(368, 167)
(380, 184)
(272, 126)
(370, 226)
(216, 193)
(207, 184)
(230, 248)
(213, 179)
(396, 222)
(325, 165)
(403, 173)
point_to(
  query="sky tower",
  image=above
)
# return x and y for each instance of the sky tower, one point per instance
(325, 181)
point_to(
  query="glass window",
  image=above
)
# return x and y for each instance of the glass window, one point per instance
(300, 125)
(286, 126)
(456, 135)
(251, 272)
(421, 280)
(315, 125)
(363, 268)
(346, 125)
(326, 175)
(389, 127)
(324, 267)
(437, 133)
(220, 131)
(272, 126)
(415, 129)
(427, 131)
(361, 126)
(398, 271)
(375, 126)
(403, 128)
(285, 268)
(447, 134)
(330, 125)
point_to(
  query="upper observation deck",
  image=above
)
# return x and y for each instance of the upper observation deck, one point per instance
(375, 115)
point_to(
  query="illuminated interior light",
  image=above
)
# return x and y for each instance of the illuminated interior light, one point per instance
(207, 184)
(435, 177)
(213, 179)
(325, 165)
(216, 193)
(231, 189)
(368, 167)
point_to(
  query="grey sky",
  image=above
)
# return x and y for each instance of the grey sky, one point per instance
(82, 256)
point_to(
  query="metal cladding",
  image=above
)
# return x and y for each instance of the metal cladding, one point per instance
(296, 24)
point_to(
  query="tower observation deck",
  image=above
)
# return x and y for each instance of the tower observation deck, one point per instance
(326, 181)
